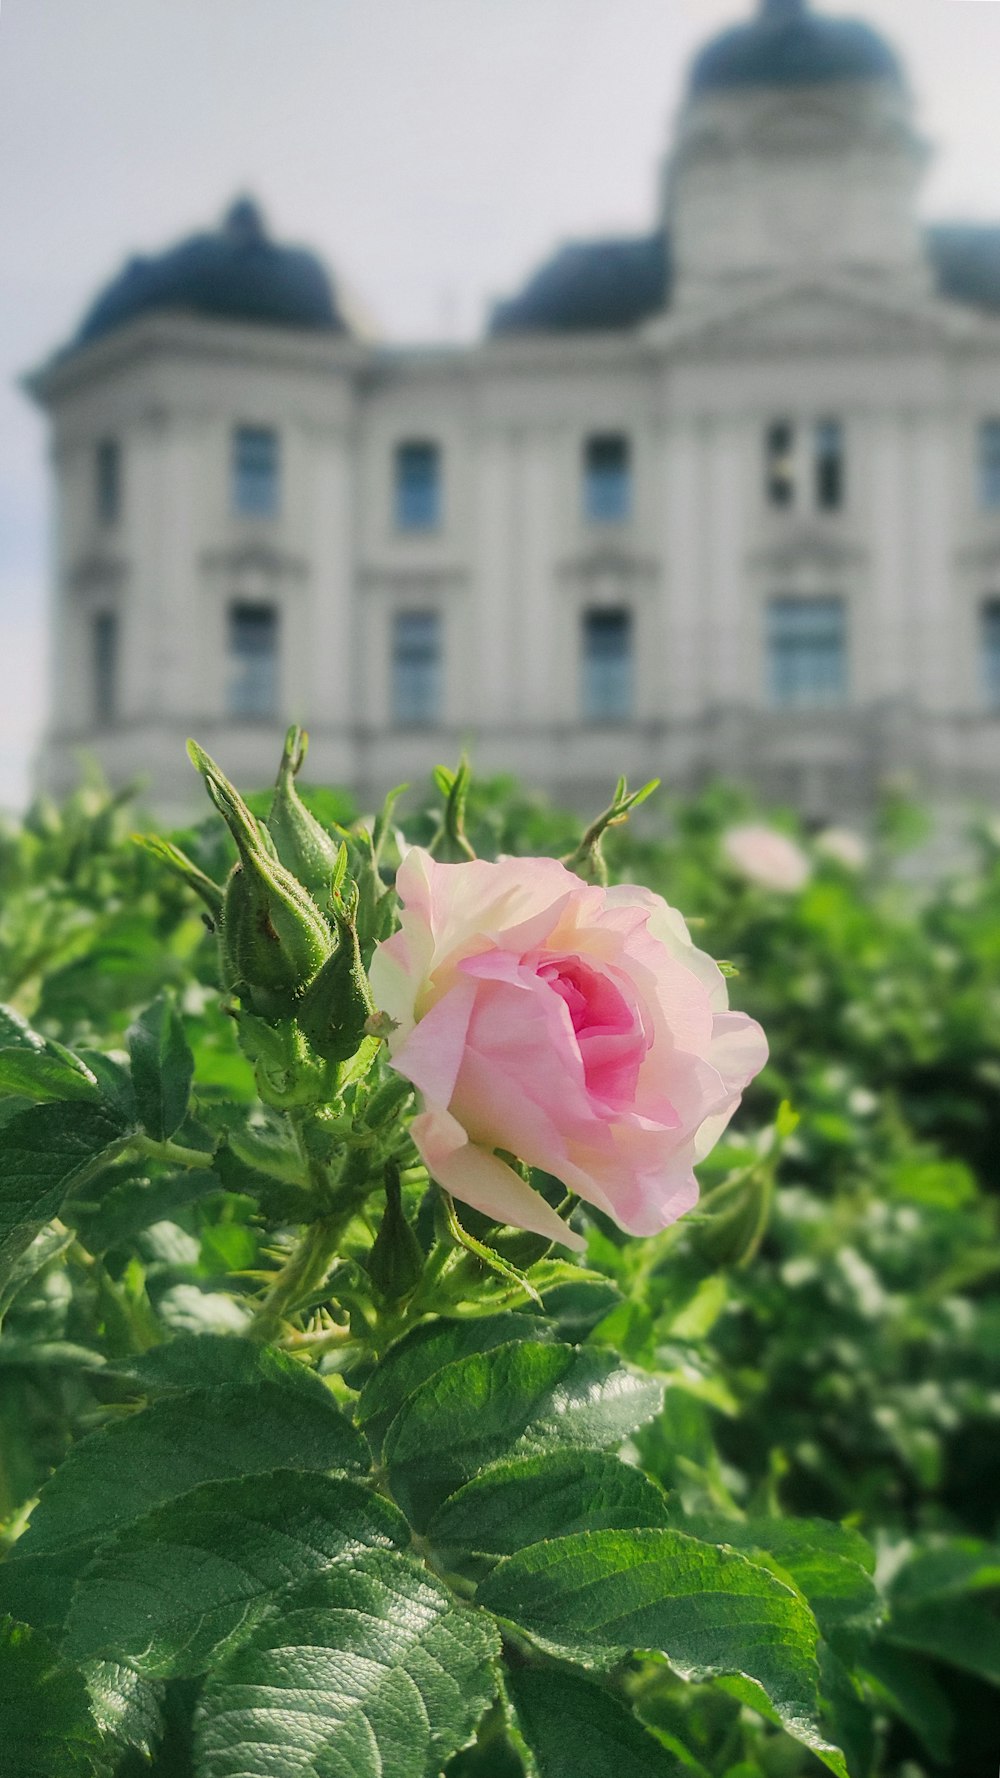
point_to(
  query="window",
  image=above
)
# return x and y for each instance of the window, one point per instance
(779, 450)
(416, 668)
(607, 478)
(607, 665)
(989, 464)
(806, 652)
(108, 479)
(255, 471)
(828, 464)
(104, 660)
(252, 687)
(418, 485)
(990, 645)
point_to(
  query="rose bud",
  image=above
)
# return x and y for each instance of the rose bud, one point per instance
(272, 937)
(337, 1004)
(302, 845)
(573, 1026)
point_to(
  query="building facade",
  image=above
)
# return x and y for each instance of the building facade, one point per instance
(721, 499)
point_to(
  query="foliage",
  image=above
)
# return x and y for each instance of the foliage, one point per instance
(300, 1474)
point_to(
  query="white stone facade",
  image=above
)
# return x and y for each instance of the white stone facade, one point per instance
(802, 297)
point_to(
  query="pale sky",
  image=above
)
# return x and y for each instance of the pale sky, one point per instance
(432, 151)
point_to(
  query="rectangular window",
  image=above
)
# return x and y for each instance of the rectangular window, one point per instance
(252, 650)
(417, 489)
(989, 464)
(607, 665)
(806, 652)
(256, 471)
(104, 658)
(607, 478)
(416, 668)
(108, 480)
(779, 450)
(828, 463)
(990, 645)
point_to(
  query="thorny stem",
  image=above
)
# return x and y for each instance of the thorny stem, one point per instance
(302, 1273)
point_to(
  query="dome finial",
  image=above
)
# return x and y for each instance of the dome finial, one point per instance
(779, 11)
(243, 221)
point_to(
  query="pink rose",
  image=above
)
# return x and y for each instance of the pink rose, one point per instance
(575, 1027)
(765, 856)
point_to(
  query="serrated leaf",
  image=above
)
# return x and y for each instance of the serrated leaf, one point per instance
(135, 1204)
(46, 1724)
(368, 1671)
(213, 1361)
(44, 1151)
(16, 1033)
(162, 1068)
(37, 1589)
(427, 1350)
(831, 1564)
(126, 1708)
(45, 1074)
(574, 1307)
(805, 1730)
(511, 1401)
(170, 1593)
(115, 1475)
(597, 1596)
(573, 1729)
(530, 1499)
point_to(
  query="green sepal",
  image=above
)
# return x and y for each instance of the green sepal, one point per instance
(337, 1005)
(396, 1262)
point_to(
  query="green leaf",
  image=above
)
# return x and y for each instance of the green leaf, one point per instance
(115, 1475)
(573, 1729)
(135, 1204)
(162, 1068)
(45, 1074)
(805, 1730)
(169, 1594)
(552, 1495)
(47, 1245)
(44, 1151)
(962, 1565)
(212, 1361)
(37, 1589)
(829, 1563)
(45, 1720)
(511, 1401)
(427, 1350)
(126, 1708)
(957, 1630)
(367, 1672)
(906, 1684)
(575, 1307)
(597, 1596)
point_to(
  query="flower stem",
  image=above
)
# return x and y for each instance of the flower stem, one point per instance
(302, 1273)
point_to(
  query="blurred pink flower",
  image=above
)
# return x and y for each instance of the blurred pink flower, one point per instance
(575, 1027)
(844, 846)
(765, 856)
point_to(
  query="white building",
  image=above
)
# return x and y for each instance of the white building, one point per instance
(724, 498)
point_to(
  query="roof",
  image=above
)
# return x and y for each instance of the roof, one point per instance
(590, 286)
(605, 286)
(235, 273)
(788, 45)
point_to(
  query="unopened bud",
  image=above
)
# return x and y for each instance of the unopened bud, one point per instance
(396, 1261)
(303, 846)
(272, 937)
(336, 1007)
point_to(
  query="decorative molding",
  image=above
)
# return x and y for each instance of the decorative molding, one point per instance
(810, 548)
(425, 579)
(607, 564)
(255, 560)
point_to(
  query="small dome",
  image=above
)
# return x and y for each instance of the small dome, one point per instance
(234, 274)
(787, 45)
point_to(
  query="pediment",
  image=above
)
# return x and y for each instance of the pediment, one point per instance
(606, 565)
(805, 550)
(817, 317)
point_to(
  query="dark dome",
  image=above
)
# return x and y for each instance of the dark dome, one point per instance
(787, 45)
(234, 274)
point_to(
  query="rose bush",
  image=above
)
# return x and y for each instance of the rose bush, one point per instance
(575, 1027)
(765, 856)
